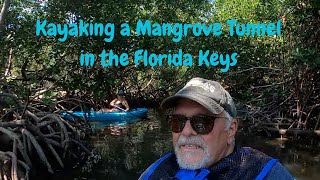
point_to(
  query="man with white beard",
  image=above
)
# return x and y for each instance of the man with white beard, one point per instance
(204, 125)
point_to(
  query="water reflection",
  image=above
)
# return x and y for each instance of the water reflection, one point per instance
(127, 150)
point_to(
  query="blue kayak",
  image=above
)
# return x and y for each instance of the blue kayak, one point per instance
(111, 117)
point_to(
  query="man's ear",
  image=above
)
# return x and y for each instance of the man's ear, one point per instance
(232, 130)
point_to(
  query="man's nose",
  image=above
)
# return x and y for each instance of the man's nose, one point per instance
(188, 130)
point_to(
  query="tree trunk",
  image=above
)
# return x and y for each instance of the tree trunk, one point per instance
(7, 72)
(3, 14)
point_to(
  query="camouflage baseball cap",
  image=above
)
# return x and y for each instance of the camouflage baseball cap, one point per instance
(210, 94)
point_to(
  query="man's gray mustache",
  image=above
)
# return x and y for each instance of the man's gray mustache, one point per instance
(192, 140)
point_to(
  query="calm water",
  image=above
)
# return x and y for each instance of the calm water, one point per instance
(123, 152)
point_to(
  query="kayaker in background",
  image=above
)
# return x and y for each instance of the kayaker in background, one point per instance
(118, 104)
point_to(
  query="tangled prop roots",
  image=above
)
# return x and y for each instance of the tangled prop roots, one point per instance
(31, 136)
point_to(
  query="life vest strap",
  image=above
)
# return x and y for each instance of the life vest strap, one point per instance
(266, 169)
(184, 174)
(153, 167)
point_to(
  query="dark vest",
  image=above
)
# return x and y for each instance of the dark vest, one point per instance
(243, 163)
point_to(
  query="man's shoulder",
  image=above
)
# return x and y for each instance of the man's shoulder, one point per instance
(250, 154)
(164, 166)
(278, 171)
(250, 150)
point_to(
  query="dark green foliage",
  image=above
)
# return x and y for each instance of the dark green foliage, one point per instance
(267, 66)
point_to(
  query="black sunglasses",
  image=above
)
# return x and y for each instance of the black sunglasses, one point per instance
(202, 124)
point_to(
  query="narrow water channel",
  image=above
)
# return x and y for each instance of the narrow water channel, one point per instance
(124, 152)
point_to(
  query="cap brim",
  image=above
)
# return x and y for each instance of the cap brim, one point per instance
(204, 101)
